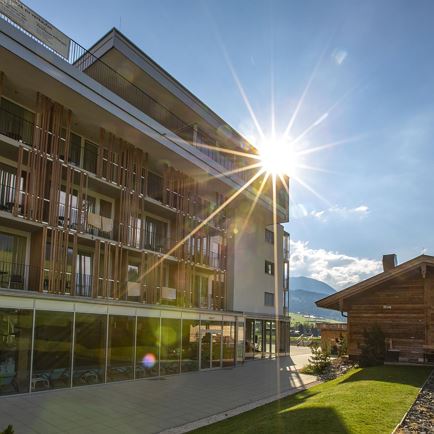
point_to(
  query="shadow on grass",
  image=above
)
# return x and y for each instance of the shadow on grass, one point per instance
(315, 420)
(409, 375)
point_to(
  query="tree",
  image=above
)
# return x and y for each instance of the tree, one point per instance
(373, 349)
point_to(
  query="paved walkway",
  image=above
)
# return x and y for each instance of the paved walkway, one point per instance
(153, 405)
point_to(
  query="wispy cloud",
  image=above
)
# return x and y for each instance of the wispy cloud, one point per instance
(341, 212)
(299, 211)
(336, 269)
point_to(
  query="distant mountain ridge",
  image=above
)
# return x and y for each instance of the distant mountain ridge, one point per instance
(309, 284)
(304, 291)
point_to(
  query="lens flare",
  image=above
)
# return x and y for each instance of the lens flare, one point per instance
(149, 360)
(277, 156)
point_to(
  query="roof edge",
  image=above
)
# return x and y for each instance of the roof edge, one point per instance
(332, 301)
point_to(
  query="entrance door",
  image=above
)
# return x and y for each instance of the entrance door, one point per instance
(211, 345)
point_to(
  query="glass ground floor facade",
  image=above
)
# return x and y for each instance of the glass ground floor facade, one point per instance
(265, 338)
(50, 344)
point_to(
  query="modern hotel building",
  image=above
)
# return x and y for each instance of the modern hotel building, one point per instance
(107, 165)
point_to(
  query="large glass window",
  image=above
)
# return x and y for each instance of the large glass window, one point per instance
(120, 348)
(52, 350)
(170, 346)
(258, 336)
(12, 261)
(147, 347)
(15, 348)
(90, 349)
(190, 345)
(240, 342)
(228, 343)
(250, 339)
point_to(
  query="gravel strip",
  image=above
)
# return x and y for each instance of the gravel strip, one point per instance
(420, 418)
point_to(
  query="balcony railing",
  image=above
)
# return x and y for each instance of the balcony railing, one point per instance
(16, 127)
(13, 275)
(100, 71)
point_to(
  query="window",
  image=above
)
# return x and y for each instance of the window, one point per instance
(147, 347)
(52, 350)
(90, 156)
(120, 348)
(90, 349)
(286, 275)
(15, 348)
(170, 350)
(75, 149)
(268, 299)
(269, 268)
(269, 236)
(190, 345)
(12, 259)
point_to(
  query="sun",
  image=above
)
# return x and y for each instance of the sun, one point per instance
(277, 156)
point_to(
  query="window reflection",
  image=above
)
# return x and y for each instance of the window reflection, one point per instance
(190, 345)
(147, 347)
(52, 350)
(120, 348)
(89, 351)
(170, 346)
(228, 343)
(15, 348)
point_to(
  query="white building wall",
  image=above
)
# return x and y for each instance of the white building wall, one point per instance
(247, 271)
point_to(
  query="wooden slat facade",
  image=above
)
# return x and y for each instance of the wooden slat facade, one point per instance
(54, 193)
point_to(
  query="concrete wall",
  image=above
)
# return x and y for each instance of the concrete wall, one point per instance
(246, 273)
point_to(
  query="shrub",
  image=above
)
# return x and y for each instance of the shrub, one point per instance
(373, 348)
(9, 430)
(319, 362)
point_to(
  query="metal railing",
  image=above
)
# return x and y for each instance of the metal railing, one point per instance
(94, 67)
(13, 275)
(15, 127)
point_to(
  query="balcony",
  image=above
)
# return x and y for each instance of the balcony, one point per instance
(15, 127)
(13, 276)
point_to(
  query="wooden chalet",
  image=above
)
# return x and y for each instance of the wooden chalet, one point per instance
(400, 300)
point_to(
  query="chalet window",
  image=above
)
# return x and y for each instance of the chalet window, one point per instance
(269, 268)
(268, 299)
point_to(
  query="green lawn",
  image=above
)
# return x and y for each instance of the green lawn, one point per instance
(369, 400)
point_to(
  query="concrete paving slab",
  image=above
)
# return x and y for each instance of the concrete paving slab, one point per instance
(145, 406)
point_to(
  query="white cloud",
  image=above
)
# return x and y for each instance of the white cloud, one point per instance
(298, 211)
(336, 269)
(342, 212)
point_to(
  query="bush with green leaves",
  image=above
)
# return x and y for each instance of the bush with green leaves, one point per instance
(9, 430)
(373, 347)
(319, 361)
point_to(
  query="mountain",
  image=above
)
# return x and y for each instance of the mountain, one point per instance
(304, 291)
(309, 284)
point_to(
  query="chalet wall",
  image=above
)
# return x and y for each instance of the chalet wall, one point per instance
(400, 308)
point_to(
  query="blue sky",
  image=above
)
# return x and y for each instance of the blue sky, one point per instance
(374, 59)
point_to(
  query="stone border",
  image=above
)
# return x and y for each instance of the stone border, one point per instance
(399, 428)
(235, 411)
